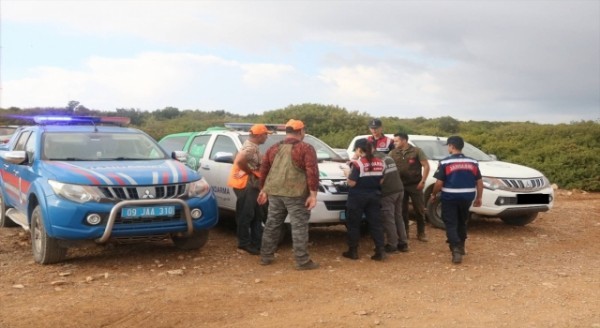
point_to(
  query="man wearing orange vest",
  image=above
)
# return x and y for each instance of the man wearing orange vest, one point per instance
(243, 178)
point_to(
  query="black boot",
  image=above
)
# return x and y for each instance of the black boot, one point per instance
(351, 253)
(456, 255)
(379, 254)
(461, 248)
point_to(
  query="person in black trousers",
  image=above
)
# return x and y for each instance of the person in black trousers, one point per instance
(459, 180)
(364, 197)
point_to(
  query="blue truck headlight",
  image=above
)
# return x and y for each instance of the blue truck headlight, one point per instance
(198, 188)
(76, 193)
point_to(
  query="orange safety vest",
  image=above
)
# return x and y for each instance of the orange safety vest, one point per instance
(239, 183)
(234, 181)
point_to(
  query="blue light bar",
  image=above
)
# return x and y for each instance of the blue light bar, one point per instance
(74, 120)
(64, 119)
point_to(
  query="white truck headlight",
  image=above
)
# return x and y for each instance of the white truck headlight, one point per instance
(492, 183)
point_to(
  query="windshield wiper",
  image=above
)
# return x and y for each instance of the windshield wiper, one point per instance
(72, 159)
(127, 159)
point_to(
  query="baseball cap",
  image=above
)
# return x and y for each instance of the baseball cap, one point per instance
(457, 141)
(258, 129)
(295, 124)
(375, 123)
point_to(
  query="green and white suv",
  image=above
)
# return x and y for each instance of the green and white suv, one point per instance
(211, 153)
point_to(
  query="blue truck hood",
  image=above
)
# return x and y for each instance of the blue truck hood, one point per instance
(115, 173)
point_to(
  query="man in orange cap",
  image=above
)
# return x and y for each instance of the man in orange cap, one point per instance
(289, 178)
(243, 178)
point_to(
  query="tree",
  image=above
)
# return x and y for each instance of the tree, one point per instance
(449, 125)
(167, 113)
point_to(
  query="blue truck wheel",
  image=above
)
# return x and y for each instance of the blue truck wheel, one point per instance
(46, 250)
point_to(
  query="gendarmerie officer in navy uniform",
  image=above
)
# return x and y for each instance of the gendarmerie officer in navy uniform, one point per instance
(364, 197)
(459, 179)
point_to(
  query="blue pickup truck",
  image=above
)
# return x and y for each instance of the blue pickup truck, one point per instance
(70, 179)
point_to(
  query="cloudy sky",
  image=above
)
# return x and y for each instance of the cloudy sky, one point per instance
(529, 60)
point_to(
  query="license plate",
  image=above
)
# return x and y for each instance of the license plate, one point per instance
(147, 212)
(529, 199)
(343, 216)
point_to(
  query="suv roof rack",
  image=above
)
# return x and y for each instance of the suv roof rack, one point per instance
(246, 126)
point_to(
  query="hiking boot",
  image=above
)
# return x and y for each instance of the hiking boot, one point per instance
(422, 237)
(351, 253)
(310, 265)
(379, 255)
(460, 247)
(390, 249)
(265, 261)
(403, 248)
(456, 255)
(250, 250)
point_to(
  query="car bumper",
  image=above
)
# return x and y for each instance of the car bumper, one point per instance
(67, 220)
(327, 210)
(500, 203)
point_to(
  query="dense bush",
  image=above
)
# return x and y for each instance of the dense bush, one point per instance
(566, 153)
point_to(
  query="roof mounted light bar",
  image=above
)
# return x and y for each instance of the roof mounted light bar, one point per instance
(93, 120)
(48, 120)
(246, 126)
(116, 120)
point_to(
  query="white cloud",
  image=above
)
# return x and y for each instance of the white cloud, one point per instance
(148, 81)
(502, 60)
(354, 82)
(259, 75)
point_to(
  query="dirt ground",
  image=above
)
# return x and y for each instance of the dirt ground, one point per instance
(546, 274)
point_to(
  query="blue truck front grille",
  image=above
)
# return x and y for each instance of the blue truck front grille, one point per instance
(142, 192)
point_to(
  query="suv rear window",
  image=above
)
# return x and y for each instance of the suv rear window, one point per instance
(174, 143)
(7, 130)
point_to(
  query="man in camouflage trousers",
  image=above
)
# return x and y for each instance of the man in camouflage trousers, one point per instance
(289, 180)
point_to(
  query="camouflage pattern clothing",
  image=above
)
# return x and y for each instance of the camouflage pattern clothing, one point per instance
(289, 172)
(279, 208)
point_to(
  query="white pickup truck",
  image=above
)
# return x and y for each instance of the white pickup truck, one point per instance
(211, 153)
(514, 193)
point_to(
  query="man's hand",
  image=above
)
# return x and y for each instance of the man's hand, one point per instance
(262, 198)
(311, 202)
(477, 202)
(239, 174)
